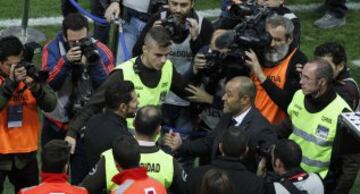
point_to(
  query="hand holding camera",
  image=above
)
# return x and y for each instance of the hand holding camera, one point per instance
(74, 54)
(17, 73)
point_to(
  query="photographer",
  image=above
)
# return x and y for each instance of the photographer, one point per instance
(135, 14)
(239, 10)
(289, 177)
(21, 94)
(77, 64)
(276, 77)
(189, 33)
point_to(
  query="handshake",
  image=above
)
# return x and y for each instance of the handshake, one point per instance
(173, 140)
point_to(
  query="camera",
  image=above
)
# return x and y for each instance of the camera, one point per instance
(30, 49)
(88, 48)
(249, 34)
(33, 72)
(177, 29)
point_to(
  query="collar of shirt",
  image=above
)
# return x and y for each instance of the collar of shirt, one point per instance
(146, 143)
(241, 117)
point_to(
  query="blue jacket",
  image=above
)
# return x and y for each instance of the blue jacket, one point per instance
(58, 65)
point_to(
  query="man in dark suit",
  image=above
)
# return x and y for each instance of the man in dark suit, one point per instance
(239, 111)
(233, 148)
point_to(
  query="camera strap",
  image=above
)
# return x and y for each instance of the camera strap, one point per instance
(289, 185)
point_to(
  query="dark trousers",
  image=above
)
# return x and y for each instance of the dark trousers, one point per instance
(79, 166)
(101, 32)
(336, 7)
(25, 177)
(343, 181)
(50, 131)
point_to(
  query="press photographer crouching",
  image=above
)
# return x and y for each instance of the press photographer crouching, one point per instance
(78, 64)
(289, 177)
(22, 92)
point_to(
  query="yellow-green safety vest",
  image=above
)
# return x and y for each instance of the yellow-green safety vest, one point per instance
(315, 132)
(159, 165)
(146, 95)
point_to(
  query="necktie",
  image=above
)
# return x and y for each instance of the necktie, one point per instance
(232, 122)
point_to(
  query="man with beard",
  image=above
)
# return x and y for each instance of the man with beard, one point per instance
(276, 78)
(102, 129)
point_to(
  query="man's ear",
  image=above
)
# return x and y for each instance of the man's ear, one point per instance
(123, 107)
(278, 163)
(322, 82)
(340, 66)
(144, 49)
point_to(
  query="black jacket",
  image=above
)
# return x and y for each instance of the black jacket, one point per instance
(101, 130)
(244, 181)
(254, 123)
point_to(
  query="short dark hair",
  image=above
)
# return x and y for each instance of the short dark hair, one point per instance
(323, 70)
(159, 35)
(288, 152)
(55, 155)
(234, 142)
(147, 120)
(74, 22)
(216, 181)
(117, 93)
(126, 151)
(10, 46)
(333, 49)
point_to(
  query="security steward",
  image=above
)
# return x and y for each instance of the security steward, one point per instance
(160, 166)
(152, 74)
(327, 146)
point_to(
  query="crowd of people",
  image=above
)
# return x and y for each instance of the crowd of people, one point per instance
(185, 105)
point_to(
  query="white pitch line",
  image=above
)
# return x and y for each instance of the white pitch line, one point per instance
(57, 20)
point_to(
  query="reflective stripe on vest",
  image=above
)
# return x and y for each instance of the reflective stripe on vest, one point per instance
(163, 170)
(315, 132)
(263, 102)
(146, 95)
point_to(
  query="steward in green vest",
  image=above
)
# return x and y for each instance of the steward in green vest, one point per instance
(315, 132)
(152, 74)
(160, 165)
(314, 113)
(145, 94)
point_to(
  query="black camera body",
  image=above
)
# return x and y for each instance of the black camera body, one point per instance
(33, 72)
(249, 34)
(177, 29)
(88, 48)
